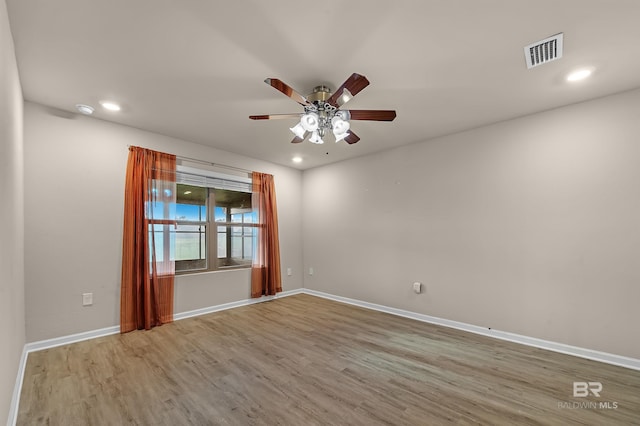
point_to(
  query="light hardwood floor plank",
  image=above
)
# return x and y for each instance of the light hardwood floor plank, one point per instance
(303, 360)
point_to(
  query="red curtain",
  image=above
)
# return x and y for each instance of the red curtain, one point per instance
(146, 296)
(265, 269)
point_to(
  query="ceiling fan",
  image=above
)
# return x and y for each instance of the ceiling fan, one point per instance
(322, 111)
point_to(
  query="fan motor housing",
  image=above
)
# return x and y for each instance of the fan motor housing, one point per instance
(319, 94)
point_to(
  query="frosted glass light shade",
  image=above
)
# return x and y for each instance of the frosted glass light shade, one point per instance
(298, 130)
(315, 138)
(339, 125)
(340, 128)
(341, 136)
(310, 122)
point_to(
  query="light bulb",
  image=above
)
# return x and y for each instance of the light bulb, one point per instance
(111, 106)
(579, 75)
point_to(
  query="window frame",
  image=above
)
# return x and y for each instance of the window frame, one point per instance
(199, 223)
(213, 181)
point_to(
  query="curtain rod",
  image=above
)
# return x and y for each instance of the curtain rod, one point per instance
(212, 164)
(208, 163)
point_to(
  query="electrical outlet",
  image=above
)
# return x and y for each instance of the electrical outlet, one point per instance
(289, 272)
(417, 287)
(87, 299)
(311, 271)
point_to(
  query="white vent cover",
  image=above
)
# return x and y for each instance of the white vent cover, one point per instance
(543, 51)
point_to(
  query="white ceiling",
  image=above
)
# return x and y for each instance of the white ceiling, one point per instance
(194, 69)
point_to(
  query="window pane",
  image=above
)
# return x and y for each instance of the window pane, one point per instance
(189, 212)
(156, 238)
(160, 210)
(191, 247)
(232, 206)
(239, 240)
(191, 242)
(236, 247)
(233, 199)
(222, 242)
(247, 247)
(221, 214)
(197, 207)
(192, 203)
(247, 217)
(162, 237)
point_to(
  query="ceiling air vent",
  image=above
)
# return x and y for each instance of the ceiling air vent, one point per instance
(543, 51)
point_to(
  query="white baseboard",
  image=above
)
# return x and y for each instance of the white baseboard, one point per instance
(607, 358)
(231, 305)
(78, 337)
(72, 338)
(17, 389)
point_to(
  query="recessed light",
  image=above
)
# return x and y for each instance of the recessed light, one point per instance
(111, 106)
(579, 75)
(85, 109)
(297, 159)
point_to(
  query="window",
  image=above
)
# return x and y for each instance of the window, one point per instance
(160, 211)
(215, 224)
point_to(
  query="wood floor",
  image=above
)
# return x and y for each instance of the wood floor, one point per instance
(324, 363)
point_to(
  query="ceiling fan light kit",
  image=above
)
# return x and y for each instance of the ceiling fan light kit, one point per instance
(340, 126)
(298, 130)
(310, 122)
(322, 113)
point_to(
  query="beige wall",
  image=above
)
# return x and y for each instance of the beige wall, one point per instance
(530, 226)
(12, 329)
(74, 189)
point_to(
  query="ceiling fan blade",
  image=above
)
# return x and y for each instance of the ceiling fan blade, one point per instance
(351, 87)
(287, 90)
(352, 138)
(296, 139)
(372, 114)
(273, 116)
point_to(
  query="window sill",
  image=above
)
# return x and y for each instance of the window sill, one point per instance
(217, 271)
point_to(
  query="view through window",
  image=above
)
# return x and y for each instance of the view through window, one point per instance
(215, 228)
